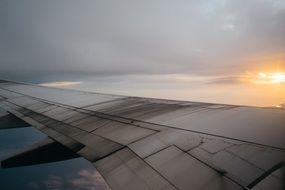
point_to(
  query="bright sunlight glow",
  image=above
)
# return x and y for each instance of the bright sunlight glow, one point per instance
(278, 77)
(273, 78)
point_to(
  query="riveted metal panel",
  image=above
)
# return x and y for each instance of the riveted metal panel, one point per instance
(66, 129)
(263, 126)
(76, 117)
(57, 111)
(273, 181)
(182, 139)
(235, 167)
(263, 157)
(63, 115)
(37, 106)
(95, 147)
(46, 108)
(124, 170)
(185, 171)
(23, 101)
(8, 94)
(122, 133)
(91, 123)
(61, 96)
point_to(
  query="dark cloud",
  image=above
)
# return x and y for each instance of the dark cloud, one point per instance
(40, 40)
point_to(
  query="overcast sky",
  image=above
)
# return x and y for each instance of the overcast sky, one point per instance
(55, 40)
(110, 37)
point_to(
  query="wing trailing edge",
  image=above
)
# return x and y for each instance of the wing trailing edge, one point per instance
(45, 151)
(8, 121)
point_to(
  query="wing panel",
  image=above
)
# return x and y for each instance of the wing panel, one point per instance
(62, 96)
(117, 132)
(125, 170)
(185, 171)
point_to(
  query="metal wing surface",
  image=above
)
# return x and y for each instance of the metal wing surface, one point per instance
(143, 143)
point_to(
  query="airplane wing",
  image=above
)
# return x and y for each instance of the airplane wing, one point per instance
(144, 143)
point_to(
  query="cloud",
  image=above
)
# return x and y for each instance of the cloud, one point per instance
(89, 180)
(228, 27)
(62, 40)
(61, 84)
(229, 80)
(54, 182)
(85, 179)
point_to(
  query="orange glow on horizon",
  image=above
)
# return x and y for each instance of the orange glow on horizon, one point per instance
(268, 78)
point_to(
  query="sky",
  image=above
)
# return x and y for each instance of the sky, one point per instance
(73, 174)
(227, 51)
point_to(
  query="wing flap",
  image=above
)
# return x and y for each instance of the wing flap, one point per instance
(9, 121)
(45, 151)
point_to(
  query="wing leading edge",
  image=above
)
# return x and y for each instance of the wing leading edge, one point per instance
(140, 143)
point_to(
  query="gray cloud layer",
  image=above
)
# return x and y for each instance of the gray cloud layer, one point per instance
(41, 39)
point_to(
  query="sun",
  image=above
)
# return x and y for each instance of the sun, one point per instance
(273, 78)
(278, 78)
